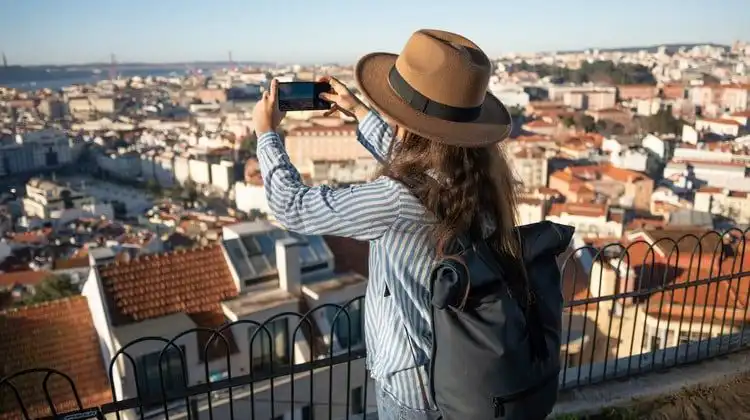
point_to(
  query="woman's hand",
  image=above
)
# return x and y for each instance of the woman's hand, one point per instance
(266, 114)
(343, 100)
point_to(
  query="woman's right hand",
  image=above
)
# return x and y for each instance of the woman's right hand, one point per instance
(343, 100)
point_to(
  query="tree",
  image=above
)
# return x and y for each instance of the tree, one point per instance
(663, 122)
(53, 287)
(153, 187)
(249, 143)
(587, 123)
(190, 192)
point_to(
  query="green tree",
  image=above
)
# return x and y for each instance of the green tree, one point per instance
(663, 122)
(587, 123)
(190, 191)
(53, 287)
(249, 143)
(153, 187)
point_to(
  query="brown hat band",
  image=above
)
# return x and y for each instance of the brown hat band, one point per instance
(427, 106)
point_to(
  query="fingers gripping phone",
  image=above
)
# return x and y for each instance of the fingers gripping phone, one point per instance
(302, 96)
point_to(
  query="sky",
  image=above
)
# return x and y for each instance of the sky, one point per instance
(307, 31)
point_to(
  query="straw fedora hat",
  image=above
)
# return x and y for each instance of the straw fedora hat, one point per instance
(437, 88)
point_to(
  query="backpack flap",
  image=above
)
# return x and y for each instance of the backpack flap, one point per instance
(482, 366)
(544, 239)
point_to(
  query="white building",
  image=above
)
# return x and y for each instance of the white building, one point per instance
(258, 272)
(44, 199)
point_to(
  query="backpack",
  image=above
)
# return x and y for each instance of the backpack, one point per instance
(495, 354)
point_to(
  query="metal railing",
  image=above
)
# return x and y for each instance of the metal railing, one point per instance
(649, 306)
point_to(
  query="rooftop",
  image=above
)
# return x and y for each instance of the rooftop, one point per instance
(58, 336)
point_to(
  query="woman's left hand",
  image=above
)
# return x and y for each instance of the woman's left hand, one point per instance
(266, 114)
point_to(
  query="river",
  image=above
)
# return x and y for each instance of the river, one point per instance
(62, 81)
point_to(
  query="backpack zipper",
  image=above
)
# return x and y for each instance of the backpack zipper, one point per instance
(499, 402)
(499, 408)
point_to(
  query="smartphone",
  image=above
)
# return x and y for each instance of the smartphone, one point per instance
(302, 96)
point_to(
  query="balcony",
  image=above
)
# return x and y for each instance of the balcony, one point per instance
(643, 318)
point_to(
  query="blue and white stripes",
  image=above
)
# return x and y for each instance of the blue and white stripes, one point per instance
(385, 213)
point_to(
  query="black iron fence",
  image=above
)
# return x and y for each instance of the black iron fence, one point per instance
(651, 305)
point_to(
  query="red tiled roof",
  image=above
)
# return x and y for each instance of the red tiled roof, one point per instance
(722, 121)
(26, 277)
(74, 262)
(157, 285)
(194, 282)
(57, 335)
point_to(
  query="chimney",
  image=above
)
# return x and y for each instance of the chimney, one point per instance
(288, 264)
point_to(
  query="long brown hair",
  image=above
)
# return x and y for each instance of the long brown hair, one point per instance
(465, 184)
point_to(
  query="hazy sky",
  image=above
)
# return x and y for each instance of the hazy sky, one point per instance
(75, 31)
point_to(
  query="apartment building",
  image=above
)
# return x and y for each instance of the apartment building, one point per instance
(46, 199)
(731, 175)
(349, 171)
(590, 220)
(309, 144)
(619, 186)
(631, 92)
(720, 126)
(731, 204)
(531, 166)
(257, 272)
(689, 314)
(37, 150)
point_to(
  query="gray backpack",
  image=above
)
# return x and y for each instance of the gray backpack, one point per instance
(494, 353)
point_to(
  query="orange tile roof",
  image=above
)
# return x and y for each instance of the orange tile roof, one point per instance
(723, 121)
(74, 262)
(26, 277)
(194, 282)
(157, 285)
(57, 335)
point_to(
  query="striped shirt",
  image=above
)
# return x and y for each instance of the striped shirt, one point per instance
(386, 214)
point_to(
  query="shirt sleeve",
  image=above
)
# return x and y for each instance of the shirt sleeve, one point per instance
(375, 135)
(363, 212)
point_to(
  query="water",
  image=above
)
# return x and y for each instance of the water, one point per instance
(62, 81)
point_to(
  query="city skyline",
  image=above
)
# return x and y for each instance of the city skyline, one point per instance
(83, 31)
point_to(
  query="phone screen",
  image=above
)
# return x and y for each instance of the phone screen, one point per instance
(301, 96)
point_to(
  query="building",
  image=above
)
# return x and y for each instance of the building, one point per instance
(308, 144)
(734, 205)
(622, 187)
(349, 171)
(258, 271)
(46, 199)
(57, 335)
(37, 150)
(531, 167)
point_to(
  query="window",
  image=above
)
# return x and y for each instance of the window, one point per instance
(344, 335)
(149, 379)
(655, 342)
(306, 413)
(269, 351)
(573, 359)
(358, 406)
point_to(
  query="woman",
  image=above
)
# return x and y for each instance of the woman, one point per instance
(442, 174)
